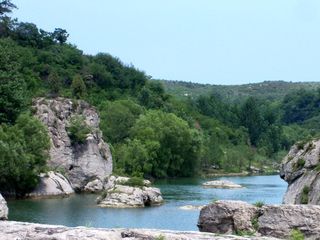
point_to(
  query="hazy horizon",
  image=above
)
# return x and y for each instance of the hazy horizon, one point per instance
(217, 42)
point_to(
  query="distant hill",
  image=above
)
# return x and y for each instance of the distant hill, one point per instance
(271, 90)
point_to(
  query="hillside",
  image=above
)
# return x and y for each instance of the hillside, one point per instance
(271, 90)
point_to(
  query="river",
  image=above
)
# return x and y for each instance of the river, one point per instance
(81, 210)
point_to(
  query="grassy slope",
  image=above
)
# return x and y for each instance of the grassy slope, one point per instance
(272, 90)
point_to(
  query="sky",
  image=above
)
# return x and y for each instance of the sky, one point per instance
(204, 41)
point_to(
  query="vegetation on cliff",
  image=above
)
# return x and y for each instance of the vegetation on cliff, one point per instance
(152, 133)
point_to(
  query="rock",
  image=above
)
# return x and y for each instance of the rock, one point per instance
(221, 184)
(301, 169)
(122, 196)
(191, 207)
(279, 221)
(3, 209)
(227, 217)
(112, 180)
(51, 184)
(19, 230)
(94, 186)
(270, 220)
(82, 163)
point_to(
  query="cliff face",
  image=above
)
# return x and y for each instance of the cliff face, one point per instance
(87, 164)
(301, 169)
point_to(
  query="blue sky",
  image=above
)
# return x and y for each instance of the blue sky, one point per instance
(206, 41)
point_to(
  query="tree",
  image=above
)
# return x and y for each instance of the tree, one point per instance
(24, 150)
(172, 147)
(117, 118)
(13, 88)
(251, 118)
(6, 6)
(78, 87)
(54, 83)
(60, 35)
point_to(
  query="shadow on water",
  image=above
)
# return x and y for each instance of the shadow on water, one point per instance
(81, 210)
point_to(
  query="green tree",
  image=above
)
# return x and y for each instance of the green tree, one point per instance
(13, 88)
(117, 118)
(54, 83)
(251, 118)
(6, 6)
(24, 150)
(78, 87)
(60, 35)
(172, 146)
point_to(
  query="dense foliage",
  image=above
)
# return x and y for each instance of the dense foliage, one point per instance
(152, 133)
(24, 148)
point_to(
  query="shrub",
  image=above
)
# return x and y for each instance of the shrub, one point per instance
(78, 130)
(135, 182)
(259, 204)
(296, 234)
(305, 195)
(299, 164)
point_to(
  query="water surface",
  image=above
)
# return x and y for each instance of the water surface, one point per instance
(81, 210)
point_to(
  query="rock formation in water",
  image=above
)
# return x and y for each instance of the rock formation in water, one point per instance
(301, 169)
(228, 217)
(3, 209)
(119, 195)
(52, 184)
(18, 230)
(221, 184)
(86, 165)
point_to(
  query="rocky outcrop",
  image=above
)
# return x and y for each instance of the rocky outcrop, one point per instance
(86, 165)
(3, 209)
(270, 220)
(119, 195)
(227, 217)
(301, 169)
(221, 184)
(18, 230)
(51, 184)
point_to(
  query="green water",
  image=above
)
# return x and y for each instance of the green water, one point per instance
(81, 210)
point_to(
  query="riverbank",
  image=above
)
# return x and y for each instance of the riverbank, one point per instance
(20, 230)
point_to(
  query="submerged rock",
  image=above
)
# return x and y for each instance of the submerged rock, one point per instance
(3, 209)
(52, 184)
(83, 163)
(221, 184)
(191, 207)
(119, 195)
(19, 230)
(301, 169)
(269, 220)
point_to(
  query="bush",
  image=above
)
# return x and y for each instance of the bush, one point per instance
(259, 204)
(305, 195)
(134, 182)
(24, 150)
(296, 234)
(78, 130)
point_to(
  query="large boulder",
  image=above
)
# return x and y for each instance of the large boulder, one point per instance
(3, 209)
(301, 169)
(119, 195)
(280, 220)
(227, 217)
(52, 184)
(269, 220)
(89, 162)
